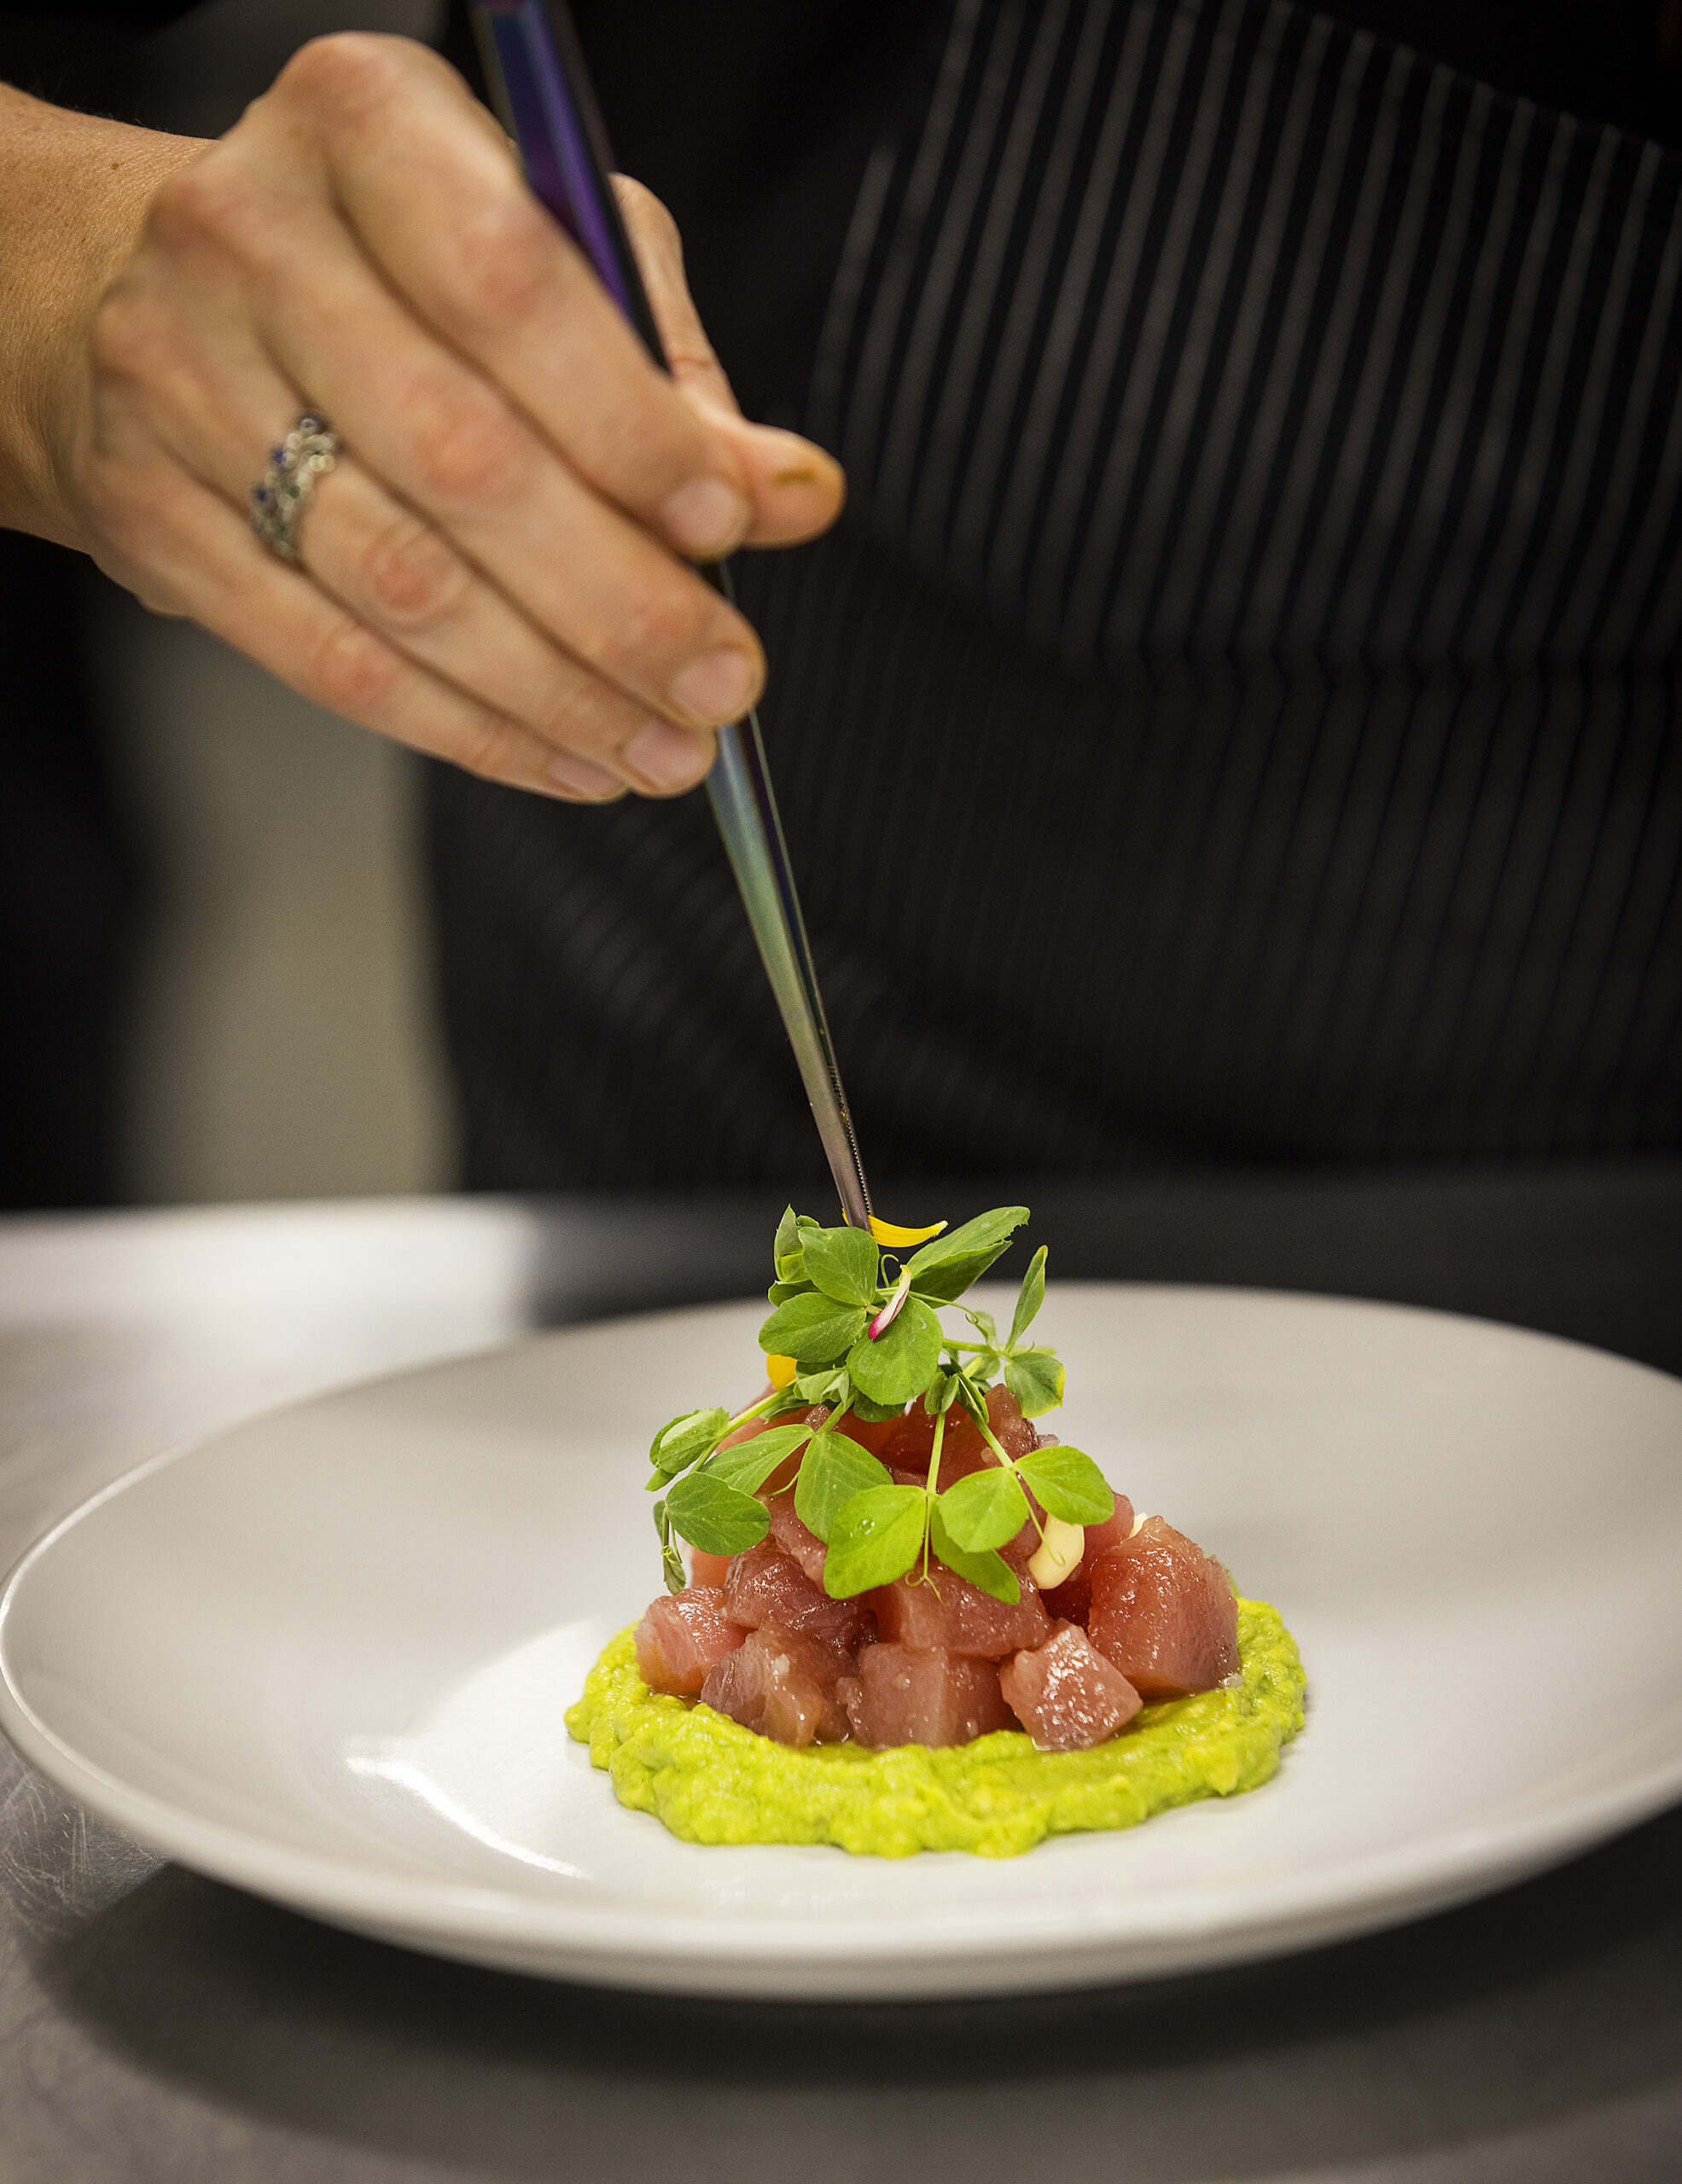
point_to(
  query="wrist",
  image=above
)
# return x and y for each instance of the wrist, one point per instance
(76, 190)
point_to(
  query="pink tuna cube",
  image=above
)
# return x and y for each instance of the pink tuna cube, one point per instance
(682, 1635)
(1065, 1693)
(780, 1683)
(950, 1615)
(900, 1697)
(1163, 1611)
(794, 1537)
(764, 1586)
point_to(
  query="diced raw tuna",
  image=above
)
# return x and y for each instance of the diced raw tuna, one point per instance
(907, 1450)
(875, 1434)
(1070, 1601)
(793, 1536)
(1100, 1538)
(1163, 1611)
(765, 1586)
(708, 1569)
(902, 1697)
(682, 1635)
(1065, 1693)
(952, 1616)
(782, 1684)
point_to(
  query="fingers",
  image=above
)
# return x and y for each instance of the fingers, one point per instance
(445, 440)
(398, 577)
(455, 229)
(796, 489)
(495, 570)
(279, 618)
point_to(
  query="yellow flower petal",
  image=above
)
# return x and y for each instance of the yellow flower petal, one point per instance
(781, 1371)
(885, 1233)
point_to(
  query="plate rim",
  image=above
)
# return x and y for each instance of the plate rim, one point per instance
(483, 1923)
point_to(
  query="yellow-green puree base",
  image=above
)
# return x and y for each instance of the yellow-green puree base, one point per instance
(710, 1780)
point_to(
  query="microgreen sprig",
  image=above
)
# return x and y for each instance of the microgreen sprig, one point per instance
(853, 1330)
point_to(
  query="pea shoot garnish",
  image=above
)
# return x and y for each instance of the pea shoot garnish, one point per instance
(855, 1332)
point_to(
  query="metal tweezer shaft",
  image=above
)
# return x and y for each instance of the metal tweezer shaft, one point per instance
(543, 93)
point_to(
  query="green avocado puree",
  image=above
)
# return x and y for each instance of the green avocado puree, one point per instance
(710, 1780)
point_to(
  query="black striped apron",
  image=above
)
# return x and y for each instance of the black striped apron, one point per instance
(1237, 717)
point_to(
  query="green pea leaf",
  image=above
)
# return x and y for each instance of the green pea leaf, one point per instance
(1068, 1483)
(824, 1385)
(903, 1360)
(786, 1250)
(984, 1509)
(834, 1469)
(678, 1445)
(814, 1330)
(1035, 1378)
(873, 1414)
(990, 1573)
(873, 1538)
(843, 1263)
(943, 1269)
(1031, 1298)
(749, 1464)
(719, 1519)
(780, 1291)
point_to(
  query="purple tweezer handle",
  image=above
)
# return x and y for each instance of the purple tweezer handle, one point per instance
(543, 93)
(537, 79)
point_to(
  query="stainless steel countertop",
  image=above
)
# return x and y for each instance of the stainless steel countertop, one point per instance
(154, 2026)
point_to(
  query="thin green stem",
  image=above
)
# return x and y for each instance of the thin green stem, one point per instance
(933, 1482)
(987, 1435)
(935, 1452)
(756, 1409)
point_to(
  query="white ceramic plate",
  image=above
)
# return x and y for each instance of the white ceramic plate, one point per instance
(325, 1655)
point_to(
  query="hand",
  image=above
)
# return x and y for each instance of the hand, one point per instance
(493, 571)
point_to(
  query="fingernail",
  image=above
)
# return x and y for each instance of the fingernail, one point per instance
(582, 777)
(667, 759)
(716, 688)
(706, 516)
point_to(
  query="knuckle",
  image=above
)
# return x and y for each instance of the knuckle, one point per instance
(574, 719)
(692, 356)
(466, 450)
(411, 576)
(486, 750)
(501, 262)
(653, 630)
(352, 671)
(640, 449)
(208, 205)
(350, 76)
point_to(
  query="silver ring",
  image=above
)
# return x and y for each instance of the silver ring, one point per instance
(282, 494)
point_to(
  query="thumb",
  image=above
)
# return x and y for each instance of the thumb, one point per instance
(659, 260)
(796, 489)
